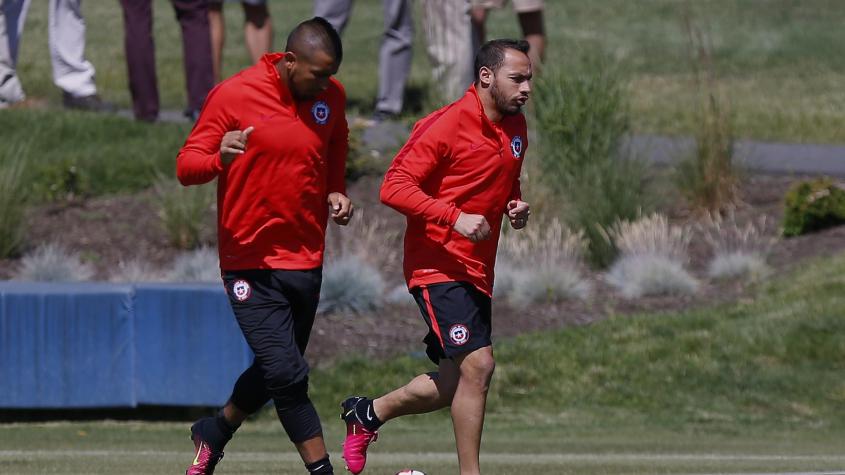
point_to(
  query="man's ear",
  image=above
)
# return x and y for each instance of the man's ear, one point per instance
(290, 59)
(485, 76)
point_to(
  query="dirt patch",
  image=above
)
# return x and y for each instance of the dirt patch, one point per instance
(106, 231)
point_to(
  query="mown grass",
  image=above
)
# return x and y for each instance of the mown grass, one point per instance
(778, 60)
(774, 363)
(81, 154)
(750, 387)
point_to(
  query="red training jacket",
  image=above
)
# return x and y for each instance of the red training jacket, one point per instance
(456, 160)
(272, 200)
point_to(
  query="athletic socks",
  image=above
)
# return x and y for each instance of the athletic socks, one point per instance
(367, 415)
(320, 467)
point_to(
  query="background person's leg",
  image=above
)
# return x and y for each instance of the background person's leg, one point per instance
(217, 33)
(394, 55)
(335, 12)
(196, 49)
(258, 30)
(533, 29)
(12, 16)
(448, 34)
(72, 73)
(140, 57)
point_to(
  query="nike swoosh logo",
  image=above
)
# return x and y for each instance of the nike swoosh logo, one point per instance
(197, 458)
(474, 146)
(369, 417)
(350, 412)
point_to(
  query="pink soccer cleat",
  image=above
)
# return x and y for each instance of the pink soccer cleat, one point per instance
(358, 437)
(206, 458)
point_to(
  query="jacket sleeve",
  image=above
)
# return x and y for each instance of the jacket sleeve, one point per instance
(338, 150)
(516, 189)
(420, 156)
(199, 159)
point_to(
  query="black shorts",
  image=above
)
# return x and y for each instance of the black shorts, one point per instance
(459, 318)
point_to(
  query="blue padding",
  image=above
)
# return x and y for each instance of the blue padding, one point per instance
(189, 348)
(66, 345)
(108, 345)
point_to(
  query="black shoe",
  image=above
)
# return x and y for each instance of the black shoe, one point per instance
(191, 114)
(91, 103)
(383, 116)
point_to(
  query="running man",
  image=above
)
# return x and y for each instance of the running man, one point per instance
(454, 179)
(275, 136)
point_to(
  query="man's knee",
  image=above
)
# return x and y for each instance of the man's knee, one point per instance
(297, 413)
(478, 366)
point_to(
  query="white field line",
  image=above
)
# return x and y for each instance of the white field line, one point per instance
(519, 458)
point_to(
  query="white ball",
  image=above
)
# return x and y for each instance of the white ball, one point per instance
(409, 472)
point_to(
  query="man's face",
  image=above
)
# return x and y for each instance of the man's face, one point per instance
(511, 84)
(308, 74)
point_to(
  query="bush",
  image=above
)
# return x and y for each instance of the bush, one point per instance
(12, 201)
(200, 265)
(350, 284)
(184, 211)
(53, 263)
(708, 179)
(583, 118)
(541, 263)
(135, 271)
(812, 206)
(738, 251)
(652, 257)
(643, 275)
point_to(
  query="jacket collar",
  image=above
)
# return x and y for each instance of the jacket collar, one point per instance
(269, 61)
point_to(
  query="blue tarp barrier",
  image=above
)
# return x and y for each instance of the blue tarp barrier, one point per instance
(109, 345)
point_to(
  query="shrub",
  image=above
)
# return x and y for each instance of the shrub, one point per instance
(652, 257)
(541, 263)
(642, 275)
(12, 201)
(812, 206)
(708, 179)
(135, 271)
(370, 239)
(738, 251)
(183, 211)
(53, 263)
(583, 118)
(350, 284)
(199, 265)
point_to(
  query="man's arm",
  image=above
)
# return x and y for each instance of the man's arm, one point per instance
(199, 161)
(401, 189)
(341, 206)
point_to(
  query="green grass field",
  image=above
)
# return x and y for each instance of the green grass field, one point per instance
(754, 387)
(779, 61)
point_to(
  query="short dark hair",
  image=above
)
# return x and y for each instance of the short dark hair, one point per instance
(316, 32)
(492, 54)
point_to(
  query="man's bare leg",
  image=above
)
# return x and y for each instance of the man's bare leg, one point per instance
(258, 30)
(468, 406)
(217, 28)
(534, 32)
(425, 393)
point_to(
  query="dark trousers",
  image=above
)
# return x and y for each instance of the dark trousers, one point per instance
(140, 54)
(275, 310)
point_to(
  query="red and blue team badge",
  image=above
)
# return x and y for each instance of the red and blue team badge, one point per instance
(516, 146)
(241, 290)
(321, 112)
(458, 334)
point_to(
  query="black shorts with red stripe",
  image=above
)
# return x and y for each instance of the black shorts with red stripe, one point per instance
(459, 318)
